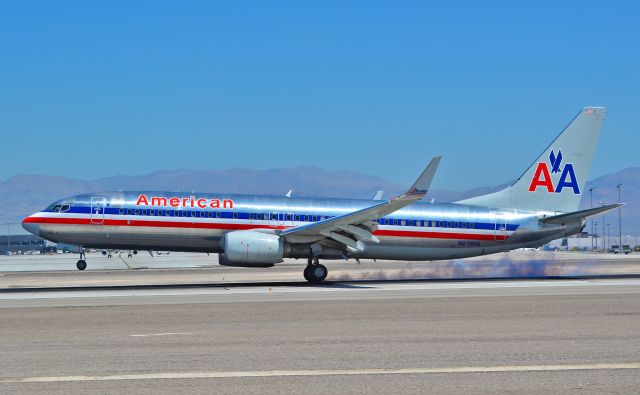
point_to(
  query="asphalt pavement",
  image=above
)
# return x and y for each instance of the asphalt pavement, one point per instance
(537, 336)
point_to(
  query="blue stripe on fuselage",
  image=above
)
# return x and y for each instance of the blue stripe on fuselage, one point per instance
(193, 213)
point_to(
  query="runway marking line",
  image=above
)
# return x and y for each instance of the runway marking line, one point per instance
(161, 334)
(345, 372)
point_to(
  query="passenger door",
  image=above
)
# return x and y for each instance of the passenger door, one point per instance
(500, 227)
(98, 205)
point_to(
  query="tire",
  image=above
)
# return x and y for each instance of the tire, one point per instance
(82, 264)
(305, 273)
(317, 273)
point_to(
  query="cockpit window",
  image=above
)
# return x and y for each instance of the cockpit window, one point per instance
(55, 208)
(64, 208)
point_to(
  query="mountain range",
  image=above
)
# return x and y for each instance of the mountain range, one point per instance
(23, 194)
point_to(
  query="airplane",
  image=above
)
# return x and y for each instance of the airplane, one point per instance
(260, 231)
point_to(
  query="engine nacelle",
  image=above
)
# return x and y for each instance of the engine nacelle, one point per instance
(251, 249)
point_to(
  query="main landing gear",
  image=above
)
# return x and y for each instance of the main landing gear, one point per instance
(315, 272)
(82, 264)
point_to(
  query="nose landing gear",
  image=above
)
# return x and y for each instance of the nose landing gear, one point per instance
(315, 272)
(81, 264)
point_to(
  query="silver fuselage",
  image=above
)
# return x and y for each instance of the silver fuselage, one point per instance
(421, 231)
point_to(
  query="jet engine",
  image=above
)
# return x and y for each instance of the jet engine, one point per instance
(251, 249)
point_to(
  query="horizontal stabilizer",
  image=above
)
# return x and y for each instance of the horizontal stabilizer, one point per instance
(578, 215)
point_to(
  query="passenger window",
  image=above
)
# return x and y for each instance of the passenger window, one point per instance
(471, 225)
(137, 212)
(235, 215)
(121, 211)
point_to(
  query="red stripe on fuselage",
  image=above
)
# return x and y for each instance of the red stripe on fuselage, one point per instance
(227, 226)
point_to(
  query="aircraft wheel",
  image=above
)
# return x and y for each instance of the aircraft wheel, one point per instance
(81, 265)
(306, 273)
(316, 273)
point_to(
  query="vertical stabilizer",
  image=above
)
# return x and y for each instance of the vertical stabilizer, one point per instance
(556, 180)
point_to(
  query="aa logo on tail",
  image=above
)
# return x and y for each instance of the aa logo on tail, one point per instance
(542, 176)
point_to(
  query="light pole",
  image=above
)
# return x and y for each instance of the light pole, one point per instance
(604, 232)
(619, 186)
(608, 237)
(592, 226)
(595, 225)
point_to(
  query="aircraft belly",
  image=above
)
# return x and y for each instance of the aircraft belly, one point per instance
(106, 236)
(208, 240)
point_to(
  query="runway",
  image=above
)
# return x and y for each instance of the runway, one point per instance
(539, 336)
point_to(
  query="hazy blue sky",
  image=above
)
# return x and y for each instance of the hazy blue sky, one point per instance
(92, 89)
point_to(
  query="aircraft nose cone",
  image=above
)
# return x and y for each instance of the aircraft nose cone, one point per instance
(31, 227)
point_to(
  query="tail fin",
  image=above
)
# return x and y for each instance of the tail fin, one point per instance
(556, 180)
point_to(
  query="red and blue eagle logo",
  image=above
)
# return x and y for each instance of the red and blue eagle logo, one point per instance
(542, 176)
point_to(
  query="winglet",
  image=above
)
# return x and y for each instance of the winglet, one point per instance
(421, 186)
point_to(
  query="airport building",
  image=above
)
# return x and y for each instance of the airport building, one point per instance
(15, 240)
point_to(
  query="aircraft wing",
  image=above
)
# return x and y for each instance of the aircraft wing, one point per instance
(352, 228)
